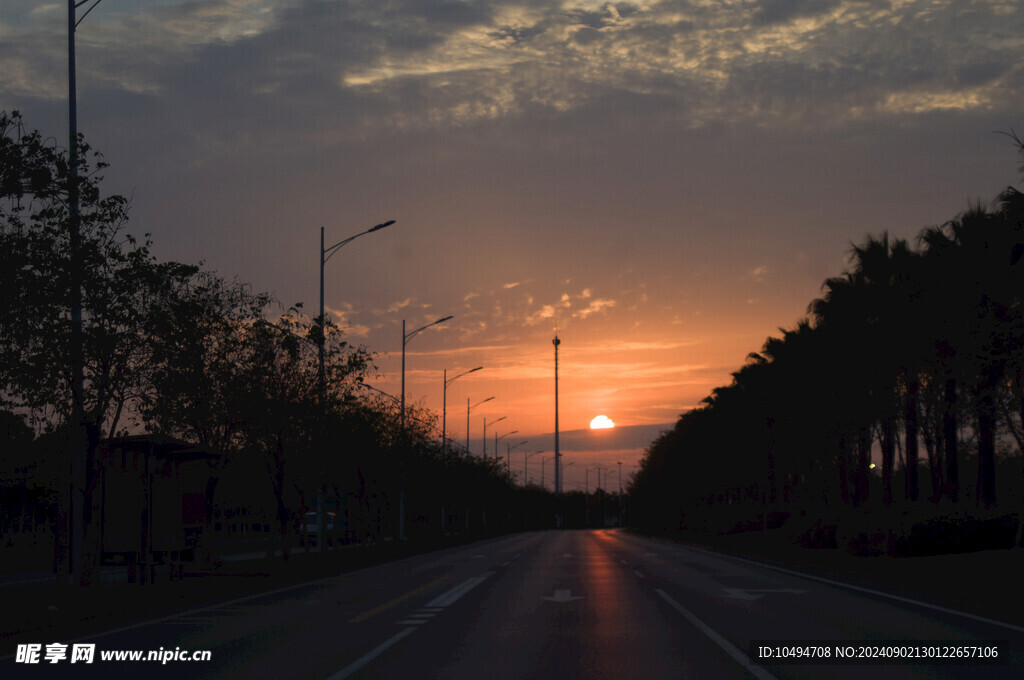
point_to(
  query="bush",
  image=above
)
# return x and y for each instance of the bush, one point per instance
(956, 534)
(916, 532)
(819, 533)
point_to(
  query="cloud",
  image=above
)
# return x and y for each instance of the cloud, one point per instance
(411, 65)
(638, 346)
(343, 317)
(595, 307)
(394, 307)
(545, 312)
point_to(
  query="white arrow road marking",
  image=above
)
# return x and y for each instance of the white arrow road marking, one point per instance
(563, 596)
(758, 593)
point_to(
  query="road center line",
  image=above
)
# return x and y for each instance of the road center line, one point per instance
(732, 650)
(391, 603)
(371, 655)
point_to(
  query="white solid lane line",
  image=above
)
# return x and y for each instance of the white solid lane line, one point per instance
(458, 591)
(879, 593)
(370, 655)
(732, 650)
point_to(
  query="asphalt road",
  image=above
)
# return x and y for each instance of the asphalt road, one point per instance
(570, 604)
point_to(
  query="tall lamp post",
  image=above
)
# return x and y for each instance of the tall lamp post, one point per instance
(444, 406)
(321, 339)
(604, 494)
(497, 456)
(326, 254)
(484, 439)
(526, 459)
(406, 337)
(620, 493)
(558, 455)
(468, 409)
(70, 549)
(508, 453)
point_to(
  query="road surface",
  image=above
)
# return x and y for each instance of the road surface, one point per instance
(556, 604)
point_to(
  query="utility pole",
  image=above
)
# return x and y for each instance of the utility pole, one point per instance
(620, 493)
(72, 531)
(558, 455)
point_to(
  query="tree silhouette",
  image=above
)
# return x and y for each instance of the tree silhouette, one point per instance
(908, 346)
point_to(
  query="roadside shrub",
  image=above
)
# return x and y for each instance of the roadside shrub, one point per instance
(955, 534)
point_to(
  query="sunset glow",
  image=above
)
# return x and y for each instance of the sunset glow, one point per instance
(569, 167)
(601, 423)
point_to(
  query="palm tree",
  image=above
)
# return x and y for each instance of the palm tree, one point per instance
(971, 257)
(837, 318)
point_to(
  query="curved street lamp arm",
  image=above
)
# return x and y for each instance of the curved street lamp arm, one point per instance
(82, 2)
(480, 402)
(408, 336)
(328, 252)
(449, 381)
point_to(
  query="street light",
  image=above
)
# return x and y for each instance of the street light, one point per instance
(558, 454)
(496, 438)
(321, 339)
(326, 254)
(508, 453)
(526, 459)
(545, 460)
(620, 493)
(444, 406)
(485, 434)
(74, 497)
(468, 409)
(406, 337)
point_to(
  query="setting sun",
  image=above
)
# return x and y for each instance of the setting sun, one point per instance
(601, 423)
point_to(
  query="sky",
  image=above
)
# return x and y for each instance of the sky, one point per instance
(663, 184)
